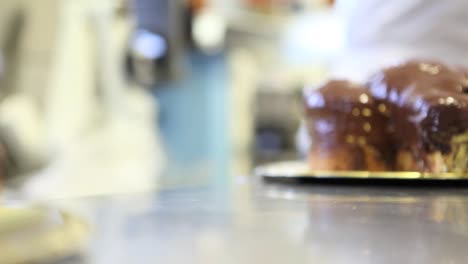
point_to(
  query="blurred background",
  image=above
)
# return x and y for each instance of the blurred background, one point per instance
(146, 119)
(115, 95)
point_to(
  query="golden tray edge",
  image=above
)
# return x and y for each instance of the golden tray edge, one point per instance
(300, 170)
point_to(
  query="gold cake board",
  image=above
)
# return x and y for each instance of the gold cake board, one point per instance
(300, 170)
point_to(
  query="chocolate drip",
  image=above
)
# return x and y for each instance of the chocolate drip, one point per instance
(428, 102)
(343, 115)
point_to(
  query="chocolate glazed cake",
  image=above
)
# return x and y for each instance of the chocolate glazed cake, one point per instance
(427, 104)
(348, 129)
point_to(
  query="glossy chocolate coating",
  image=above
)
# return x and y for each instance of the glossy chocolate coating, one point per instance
(428, 103)
(342, 113)
(338, 95)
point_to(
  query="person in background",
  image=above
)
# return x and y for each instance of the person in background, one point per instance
(382, 33)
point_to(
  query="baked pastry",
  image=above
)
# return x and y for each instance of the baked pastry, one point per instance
(411, 117)
(347, 129)
(427, 104)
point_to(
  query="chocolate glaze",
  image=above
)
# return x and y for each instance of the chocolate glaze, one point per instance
(428, 103)
(342, 114)
(338, 95)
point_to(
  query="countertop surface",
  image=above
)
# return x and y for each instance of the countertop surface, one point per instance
(252, 221)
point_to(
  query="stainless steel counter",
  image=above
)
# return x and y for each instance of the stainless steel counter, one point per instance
(247, 222)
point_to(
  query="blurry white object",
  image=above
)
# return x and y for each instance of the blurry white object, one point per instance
(24, 130)
(313, 38)
(209, 30)
(99, 144)
(70, 102)
(381, 33)
(122, 157)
